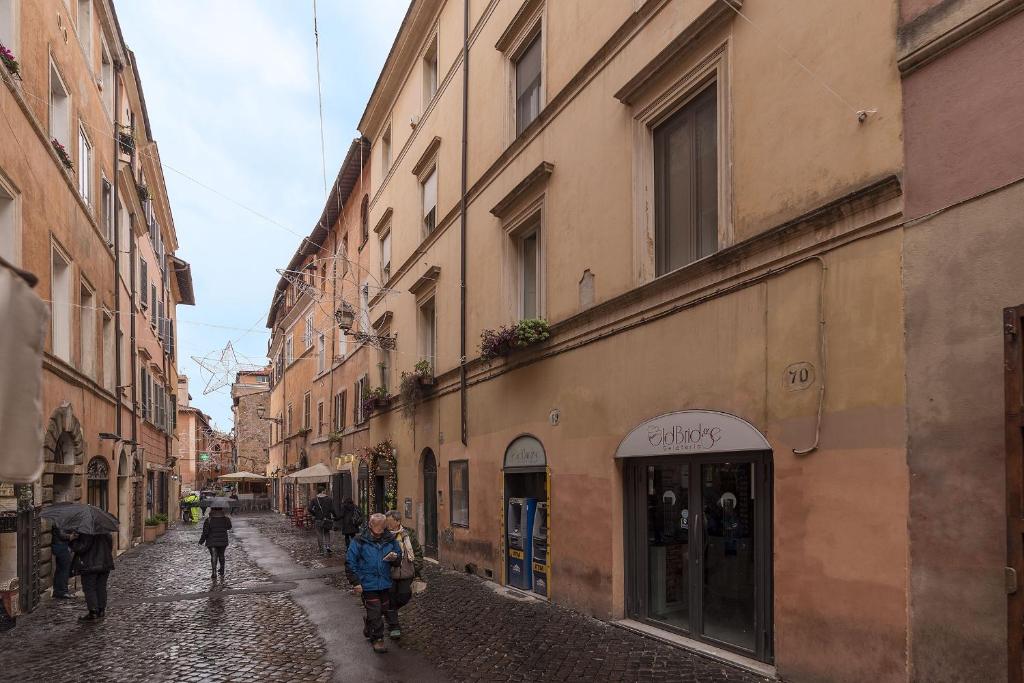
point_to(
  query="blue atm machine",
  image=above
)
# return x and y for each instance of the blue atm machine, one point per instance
(541, 558)
(519, 528)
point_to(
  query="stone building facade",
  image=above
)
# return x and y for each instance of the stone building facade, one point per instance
(83, 206)
(688, 335)
(319, 371)
(249, 394)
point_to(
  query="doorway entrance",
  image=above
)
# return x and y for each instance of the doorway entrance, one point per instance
(698, 532)
(429, 503)
(527, 515)
(123, 502)
(341, 488)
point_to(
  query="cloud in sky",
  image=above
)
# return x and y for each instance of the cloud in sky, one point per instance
(232, 98)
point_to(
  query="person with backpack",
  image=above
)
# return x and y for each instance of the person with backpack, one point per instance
(321, 508)
(351, 520)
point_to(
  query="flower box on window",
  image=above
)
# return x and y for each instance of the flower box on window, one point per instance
(510, 338)
(10, 62)
(62, 153)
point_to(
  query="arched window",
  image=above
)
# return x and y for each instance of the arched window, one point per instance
(364, 220)
(98, 476)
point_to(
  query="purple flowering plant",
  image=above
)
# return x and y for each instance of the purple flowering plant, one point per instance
(10, 62)
(62, 153)
(509, 338)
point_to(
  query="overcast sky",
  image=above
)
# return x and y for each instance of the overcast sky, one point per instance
(231, 91)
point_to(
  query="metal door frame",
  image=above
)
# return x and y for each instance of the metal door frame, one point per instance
(635, 542)
(1013, 379)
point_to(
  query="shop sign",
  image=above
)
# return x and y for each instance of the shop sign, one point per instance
(525, 452)
(204, 456)
(692, 431)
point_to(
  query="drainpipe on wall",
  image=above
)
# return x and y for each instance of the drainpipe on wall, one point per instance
(134, 351)
(462, 226)
(117, 253)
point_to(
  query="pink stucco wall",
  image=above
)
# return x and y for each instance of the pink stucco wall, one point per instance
(970, 100)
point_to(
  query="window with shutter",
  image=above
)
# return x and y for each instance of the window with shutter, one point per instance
(143, 282)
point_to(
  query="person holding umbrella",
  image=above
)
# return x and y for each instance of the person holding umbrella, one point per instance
(93, 561)
(88, 528)
(215, 535)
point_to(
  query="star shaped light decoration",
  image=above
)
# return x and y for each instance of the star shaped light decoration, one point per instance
(219, 368)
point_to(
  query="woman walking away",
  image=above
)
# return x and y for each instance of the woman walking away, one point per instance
(322, 510)
(94, 560)
(351, 520)
(215, 536)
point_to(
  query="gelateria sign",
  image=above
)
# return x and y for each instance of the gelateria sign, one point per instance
(692, 431)
(525, 452)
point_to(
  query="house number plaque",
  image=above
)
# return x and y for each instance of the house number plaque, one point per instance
(798, 376)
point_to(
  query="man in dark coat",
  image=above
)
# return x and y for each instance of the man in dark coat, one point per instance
(409, 568)
(351, 520)
(215, 536)
(368, 568)
(322, 510)
(62, 559)
(93, 560)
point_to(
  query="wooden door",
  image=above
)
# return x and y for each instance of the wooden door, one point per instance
(1013, 327)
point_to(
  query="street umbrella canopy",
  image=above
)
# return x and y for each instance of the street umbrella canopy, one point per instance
(80, 518)
(242, 476)
(317, 474)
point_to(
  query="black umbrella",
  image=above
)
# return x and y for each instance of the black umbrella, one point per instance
(80, 518)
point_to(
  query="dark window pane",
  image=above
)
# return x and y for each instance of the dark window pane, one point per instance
(530, 307)
(686, 184)
(528, 70)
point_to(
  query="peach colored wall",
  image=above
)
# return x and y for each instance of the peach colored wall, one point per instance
(964, 123)
(980, 120)
(840, 514)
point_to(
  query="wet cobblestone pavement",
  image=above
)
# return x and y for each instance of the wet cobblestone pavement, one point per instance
(166, 622)
(465, 628)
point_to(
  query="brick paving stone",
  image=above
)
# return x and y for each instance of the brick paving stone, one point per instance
(471, 633)
(216, 637)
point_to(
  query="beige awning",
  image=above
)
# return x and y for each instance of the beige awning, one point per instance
(317, 474)
(242, 476)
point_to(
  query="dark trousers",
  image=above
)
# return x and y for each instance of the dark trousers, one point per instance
(217, 556)
(95, 587)
(62, 561)
(399, 597)
(376, 604)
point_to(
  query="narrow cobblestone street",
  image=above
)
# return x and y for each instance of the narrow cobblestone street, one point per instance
(285, 614)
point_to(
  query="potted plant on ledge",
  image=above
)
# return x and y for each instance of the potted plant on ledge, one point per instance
(161, 524)
(508, 339)
(414, 384)
(62, 153)
(149, 534)
(10, 62)
(126, 141)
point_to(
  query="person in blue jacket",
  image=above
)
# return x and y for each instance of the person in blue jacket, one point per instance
(371, 555)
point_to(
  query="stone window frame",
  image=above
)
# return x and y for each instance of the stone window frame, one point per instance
(8, 188)
(650, 110)
(530, 20)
